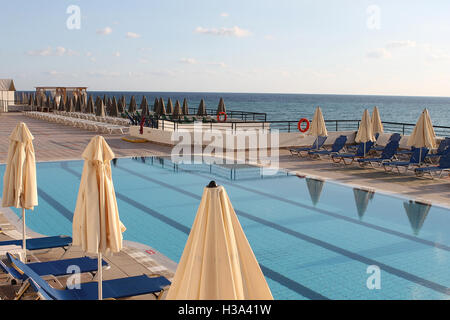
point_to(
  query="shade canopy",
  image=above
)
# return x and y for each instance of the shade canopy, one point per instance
(69, 105)
(161, 107)
(377, 126)
(19, 180)
(97, 228)
(122, 104)
(96, 224)
(202, 109)
(90, 105)
(185, 107)
(78, 105)
(365, 133)
(423, 135)
(177, 110)
(114, 109)
(144, 106)
(217, 262)
(362, 198)
(169, 107)
(318, 127)
(221, 106)
(315, 187)
(132, 106)
(100, 110)
(156, 106)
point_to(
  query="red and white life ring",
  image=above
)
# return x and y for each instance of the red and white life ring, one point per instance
(299, 125)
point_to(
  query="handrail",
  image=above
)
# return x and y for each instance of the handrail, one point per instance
(291, 126)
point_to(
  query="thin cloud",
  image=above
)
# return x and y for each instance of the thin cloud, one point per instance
(379, 53)
(132, 35)
(107, 74)
(233, 32)
(188, 60)
(401, 44)
(116, 54)
(104, 31)
(224, 15)
(47, 52)
(218, 64)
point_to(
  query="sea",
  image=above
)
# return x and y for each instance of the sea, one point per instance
(404, 109)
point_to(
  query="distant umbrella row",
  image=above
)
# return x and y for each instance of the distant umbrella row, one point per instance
(115, 107)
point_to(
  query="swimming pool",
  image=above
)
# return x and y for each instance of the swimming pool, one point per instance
(313, 239)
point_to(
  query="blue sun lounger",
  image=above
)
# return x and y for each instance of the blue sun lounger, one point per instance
(337, 146)
(318, 143)
(393, 137)
(413, 161)
(386, 155)
(42, 243)
(52, 269)
(441, 150)
(444, 165)
(112, 289)
(363, 149)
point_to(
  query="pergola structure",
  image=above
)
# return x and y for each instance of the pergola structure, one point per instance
(63, 91)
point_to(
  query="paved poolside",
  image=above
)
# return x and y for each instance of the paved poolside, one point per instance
(55, 142)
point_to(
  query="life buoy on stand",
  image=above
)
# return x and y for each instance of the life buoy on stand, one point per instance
(221, 113)
(299, 125)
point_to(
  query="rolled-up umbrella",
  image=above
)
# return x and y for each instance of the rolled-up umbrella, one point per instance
(132, 107)
(69, 105)
(377, 126)
(100, 110)
(30, 99)
(61, 104)
(169, 108)
(177, 109)
(318, 127)
(97, 228)
(114, 109)
(19, 180)
(48, 103)
(185, 107)
(144, 106)
(362, 198)
(423, 135)
(202, 109)
(156, 106)
(120, 106)
(217, 262)
(108, 105)
(162, 107)
(315, 187)
(417, 213)
(105, 100)
(90, 105)
(365, 133)
(123, 104)
(78, 105)
(31, 104)
(221, 106)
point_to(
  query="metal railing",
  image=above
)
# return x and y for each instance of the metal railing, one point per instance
(291, 126)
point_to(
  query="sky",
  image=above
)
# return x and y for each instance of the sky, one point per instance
(278, 46)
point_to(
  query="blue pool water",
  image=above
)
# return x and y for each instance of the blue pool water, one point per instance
(313, 240)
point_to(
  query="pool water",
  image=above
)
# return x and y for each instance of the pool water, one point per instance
(313, 239)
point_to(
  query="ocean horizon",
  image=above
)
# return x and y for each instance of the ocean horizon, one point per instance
(293, 106)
